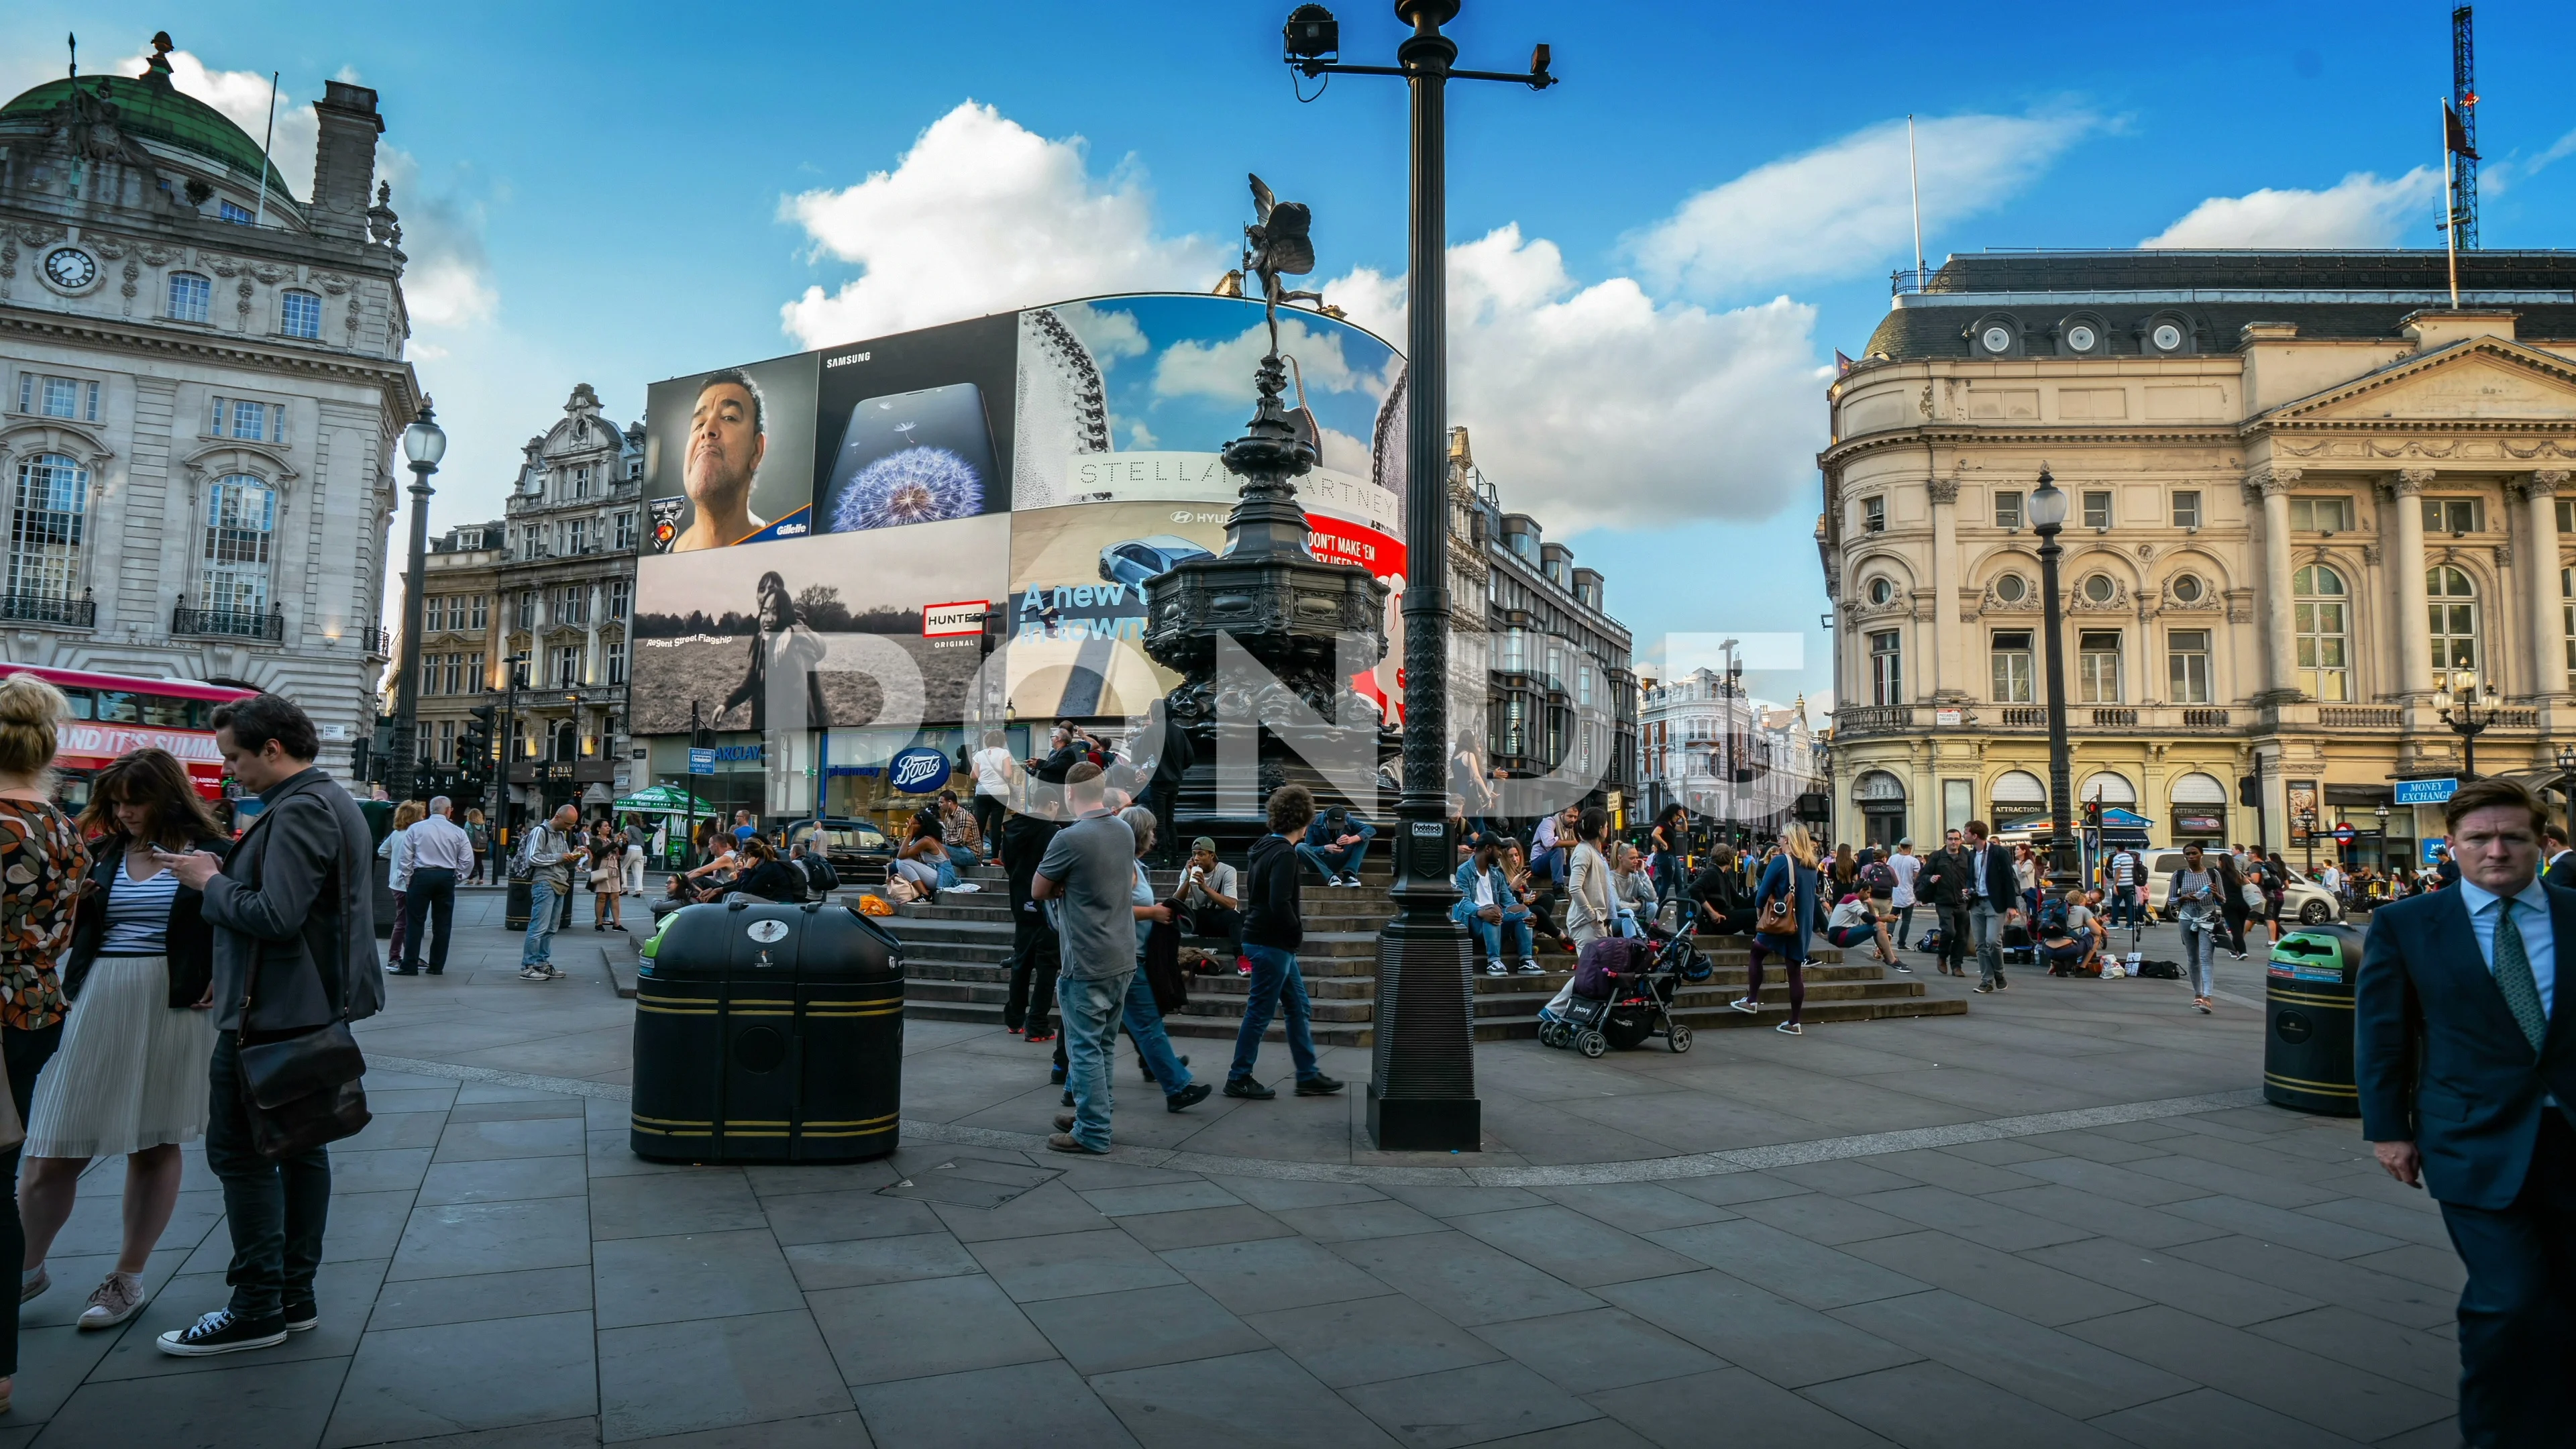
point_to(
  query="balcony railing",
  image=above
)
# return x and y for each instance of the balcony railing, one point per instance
(2204, 719)
(80, 613)
(2360, 716)
(269, 627)
(2025, 717)
(1870, 719)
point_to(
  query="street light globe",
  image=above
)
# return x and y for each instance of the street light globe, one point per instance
(425, 442)
(2567, 758)
(2046, 509)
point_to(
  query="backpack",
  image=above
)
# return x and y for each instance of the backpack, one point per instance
(2052, 918)
(819, 873)
(1878, 877)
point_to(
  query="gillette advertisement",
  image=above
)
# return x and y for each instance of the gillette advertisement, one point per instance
(1085, 436)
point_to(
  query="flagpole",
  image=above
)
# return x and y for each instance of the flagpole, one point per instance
(261, 218)
(2450, 208)
(1914, 183)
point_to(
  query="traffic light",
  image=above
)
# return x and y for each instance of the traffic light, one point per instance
(2249, 791)
(2092, 814)
(474, 752)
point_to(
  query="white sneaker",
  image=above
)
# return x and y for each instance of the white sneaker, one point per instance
(534, 972)
(1497, 968)
(1746, 1005)
(117, 1298)
(1532, 968)
(33, 1281)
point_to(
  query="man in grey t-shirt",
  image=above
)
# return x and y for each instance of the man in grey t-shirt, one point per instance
(1088, 878)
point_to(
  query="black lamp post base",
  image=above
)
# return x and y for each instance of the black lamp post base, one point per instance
(1424, 1124)
(1422, 1089)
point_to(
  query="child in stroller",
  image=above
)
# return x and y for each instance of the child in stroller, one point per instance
(1622, 993)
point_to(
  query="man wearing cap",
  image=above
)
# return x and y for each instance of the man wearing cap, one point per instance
(1905, 865)
(1209, 894)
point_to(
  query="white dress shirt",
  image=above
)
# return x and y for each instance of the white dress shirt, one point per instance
(438, 842)
(2539, 935)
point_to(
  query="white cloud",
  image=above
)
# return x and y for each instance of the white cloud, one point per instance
(1846, 205)
(2495, 177)
(2359, 211)
(1590, 404)
(1597, 406)
(1217, 369)
(983, 215)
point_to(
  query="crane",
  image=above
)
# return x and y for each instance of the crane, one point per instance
(2464, 104)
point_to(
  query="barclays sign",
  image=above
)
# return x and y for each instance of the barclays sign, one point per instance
(918, 770)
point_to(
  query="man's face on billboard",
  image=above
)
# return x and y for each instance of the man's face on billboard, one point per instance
(725, 447)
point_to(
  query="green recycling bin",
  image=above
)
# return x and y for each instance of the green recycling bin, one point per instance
(768, 1033)
(2307, 1042)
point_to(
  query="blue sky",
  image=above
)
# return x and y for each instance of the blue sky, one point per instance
(1656, 257)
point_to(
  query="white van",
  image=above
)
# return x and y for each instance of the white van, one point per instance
(2306, 902)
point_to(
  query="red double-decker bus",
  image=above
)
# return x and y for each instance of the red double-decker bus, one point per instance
(114, 713)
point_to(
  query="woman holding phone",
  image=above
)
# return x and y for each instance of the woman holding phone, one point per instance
(131, 1076)
(42, 862)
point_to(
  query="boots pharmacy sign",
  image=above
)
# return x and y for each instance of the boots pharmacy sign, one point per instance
(918, 770)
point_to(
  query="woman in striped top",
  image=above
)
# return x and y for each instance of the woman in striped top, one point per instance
(130, 1077)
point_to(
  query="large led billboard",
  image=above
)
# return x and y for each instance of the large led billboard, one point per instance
(884, 494)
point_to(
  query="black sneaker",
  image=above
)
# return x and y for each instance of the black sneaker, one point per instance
(223, 1332)
(1317, 1085)
(1248, 1089)
(1187, 1097)
(302, 1314)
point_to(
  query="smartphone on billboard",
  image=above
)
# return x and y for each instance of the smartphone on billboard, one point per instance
(912, 457)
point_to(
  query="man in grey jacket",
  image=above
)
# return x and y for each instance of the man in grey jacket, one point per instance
(295, 947)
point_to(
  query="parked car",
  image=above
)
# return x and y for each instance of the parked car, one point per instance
(1137, 559)
(2306, 902)
(857, 849)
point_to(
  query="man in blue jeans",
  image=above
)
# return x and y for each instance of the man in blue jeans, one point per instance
(1273, 929)
(552, 849)
(1087, 875)
(1488, 907)
(1336, 844)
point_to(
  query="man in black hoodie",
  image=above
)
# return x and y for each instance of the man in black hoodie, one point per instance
(1273, 929)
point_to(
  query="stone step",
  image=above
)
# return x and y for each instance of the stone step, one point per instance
(1516, 1025)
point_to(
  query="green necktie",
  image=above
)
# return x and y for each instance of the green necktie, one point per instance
(2513, 978)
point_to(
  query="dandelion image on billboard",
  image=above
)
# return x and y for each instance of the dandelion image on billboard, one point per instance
(915, 457)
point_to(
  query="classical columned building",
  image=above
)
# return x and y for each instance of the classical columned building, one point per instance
(2307, 494)
(201, 384)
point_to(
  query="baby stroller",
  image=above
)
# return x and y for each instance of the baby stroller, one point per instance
(1639, 1006)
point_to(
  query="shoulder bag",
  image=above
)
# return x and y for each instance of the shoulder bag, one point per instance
(300, 1090)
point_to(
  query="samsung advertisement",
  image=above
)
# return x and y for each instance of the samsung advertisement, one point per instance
(1044, 466)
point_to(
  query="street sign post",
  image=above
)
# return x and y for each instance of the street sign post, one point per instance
(701, 762)
(2344, 834)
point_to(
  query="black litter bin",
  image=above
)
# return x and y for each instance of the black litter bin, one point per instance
(2307, 1048)
(768, 1033)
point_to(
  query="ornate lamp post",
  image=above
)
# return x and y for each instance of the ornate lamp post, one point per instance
(424, 443)
(2047, 514)
(1422, 1090)
(2468, 710)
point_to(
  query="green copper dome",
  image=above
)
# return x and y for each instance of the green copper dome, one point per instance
(156, 112)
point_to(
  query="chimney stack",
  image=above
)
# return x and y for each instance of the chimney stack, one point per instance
(344, 159)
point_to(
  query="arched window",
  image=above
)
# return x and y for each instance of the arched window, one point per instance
(2323, 626)
(241, 535)
(45, 517)
(2451, 606)
(191, 297)
(300, 315)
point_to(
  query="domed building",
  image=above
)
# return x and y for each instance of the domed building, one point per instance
(202, 385)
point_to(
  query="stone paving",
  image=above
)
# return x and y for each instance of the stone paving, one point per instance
(2060, 1220)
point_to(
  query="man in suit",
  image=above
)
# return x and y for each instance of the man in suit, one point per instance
(1943, 884)
(1994, 902)
(2467, 1076)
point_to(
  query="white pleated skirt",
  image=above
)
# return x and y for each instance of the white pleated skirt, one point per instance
(131, 1071)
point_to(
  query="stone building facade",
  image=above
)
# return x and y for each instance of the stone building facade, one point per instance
(1735, 763)
(460, 646)
(2309, 491)
(1535, 657)
(567, 598)
(204, 385)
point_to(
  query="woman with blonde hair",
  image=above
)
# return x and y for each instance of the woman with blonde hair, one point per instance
(1789, 878)
(130, 1079)
(42, 862)
(395, 852)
